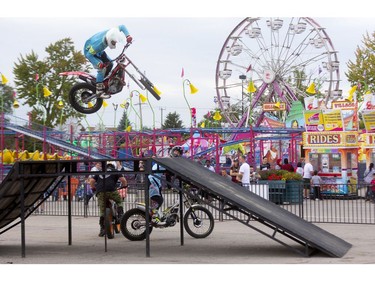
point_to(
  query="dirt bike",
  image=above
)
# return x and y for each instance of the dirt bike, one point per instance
(112, 219)
(198, 221)
(83, 97)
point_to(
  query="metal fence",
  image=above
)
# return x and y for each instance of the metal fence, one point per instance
(353, 208)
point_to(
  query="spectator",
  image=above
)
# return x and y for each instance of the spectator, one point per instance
(254, 176)
(308, 171)
(368, 177)
(244, 172)
(234, 171)
(287, 166)
(278, 164)
(209, 166)
(316, 183)
(371, 194)
(299, 169)
(265, 165)
(225, 174)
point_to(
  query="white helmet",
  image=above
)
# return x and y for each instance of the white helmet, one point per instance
(113, 36)
(111, 165)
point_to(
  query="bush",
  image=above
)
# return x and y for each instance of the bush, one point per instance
(279, 175)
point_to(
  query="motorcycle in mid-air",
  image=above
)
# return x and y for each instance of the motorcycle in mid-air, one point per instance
(83, 97)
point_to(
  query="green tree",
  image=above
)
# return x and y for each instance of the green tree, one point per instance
(362, 70)
(32, 74)
(172, 121)
(124, 122)
(7, 98)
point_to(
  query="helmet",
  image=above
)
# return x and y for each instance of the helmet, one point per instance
(111, 165)
(113, 36)
(176, 151)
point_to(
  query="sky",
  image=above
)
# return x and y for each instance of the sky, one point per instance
(168, 37)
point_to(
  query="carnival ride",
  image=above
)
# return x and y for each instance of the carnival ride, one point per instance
(276, 61)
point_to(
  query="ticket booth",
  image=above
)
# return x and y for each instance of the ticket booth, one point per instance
(335, 156)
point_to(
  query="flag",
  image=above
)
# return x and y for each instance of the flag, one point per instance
(36, 77)
(3, 79)
(14, 94)
(182, 73)
(249, 68)
(319, 70)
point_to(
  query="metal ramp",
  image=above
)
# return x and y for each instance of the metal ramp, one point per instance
(19, 197)
(261, 215)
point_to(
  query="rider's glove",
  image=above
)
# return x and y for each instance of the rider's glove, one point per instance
(129, 39)
(101, 65)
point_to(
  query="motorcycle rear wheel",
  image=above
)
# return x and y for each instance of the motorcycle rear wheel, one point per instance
(133, 225)
(82, 97)
(198, 222)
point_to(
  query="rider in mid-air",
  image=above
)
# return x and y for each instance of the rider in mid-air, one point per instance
(94, 51)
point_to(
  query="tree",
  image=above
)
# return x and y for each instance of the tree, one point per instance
(124, 122)
(7, 98)
(33, 74)
(172, 121)
(362, 71)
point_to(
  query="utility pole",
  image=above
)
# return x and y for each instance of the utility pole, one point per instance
(161, 116)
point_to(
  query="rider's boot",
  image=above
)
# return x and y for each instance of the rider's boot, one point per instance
(120, 211)
(100, 91)
(102, 227)
(155, 216)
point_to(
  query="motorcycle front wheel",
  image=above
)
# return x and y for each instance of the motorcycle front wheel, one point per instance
(82, 97)
(198, 222)
(133, 225)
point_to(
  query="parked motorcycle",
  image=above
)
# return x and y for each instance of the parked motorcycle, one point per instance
(198, 220)
(83, 97)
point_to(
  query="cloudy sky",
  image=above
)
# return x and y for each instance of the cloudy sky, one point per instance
(167, 38)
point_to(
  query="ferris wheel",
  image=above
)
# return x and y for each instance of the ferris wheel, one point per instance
(274, 61)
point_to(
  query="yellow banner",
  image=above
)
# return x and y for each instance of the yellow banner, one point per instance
(313, 121)
(332, 120)
(368, 117)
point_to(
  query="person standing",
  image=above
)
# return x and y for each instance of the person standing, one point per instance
(287, 166)
(368, 177)
(299, 169)
(105, 187)
(308, 171)
(265, 165)
(234, 171)
(244, 172)
(316, 183)
(209, 166)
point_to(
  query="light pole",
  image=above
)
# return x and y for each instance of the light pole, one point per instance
(152, 110)
(193, 90)
(115, 106)
(142, 99)
(125, 105)
(161, 116)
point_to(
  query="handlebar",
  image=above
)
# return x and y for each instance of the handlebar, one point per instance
(122, 52)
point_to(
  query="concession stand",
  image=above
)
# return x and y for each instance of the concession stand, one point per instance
(331, 146)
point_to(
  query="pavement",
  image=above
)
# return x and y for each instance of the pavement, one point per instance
(230, 243)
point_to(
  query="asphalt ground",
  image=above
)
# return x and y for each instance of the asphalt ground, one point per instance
(231, 249)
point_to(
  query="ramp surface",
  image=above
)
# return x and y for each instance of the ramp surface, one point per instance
(43, 176)
(258, 208)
